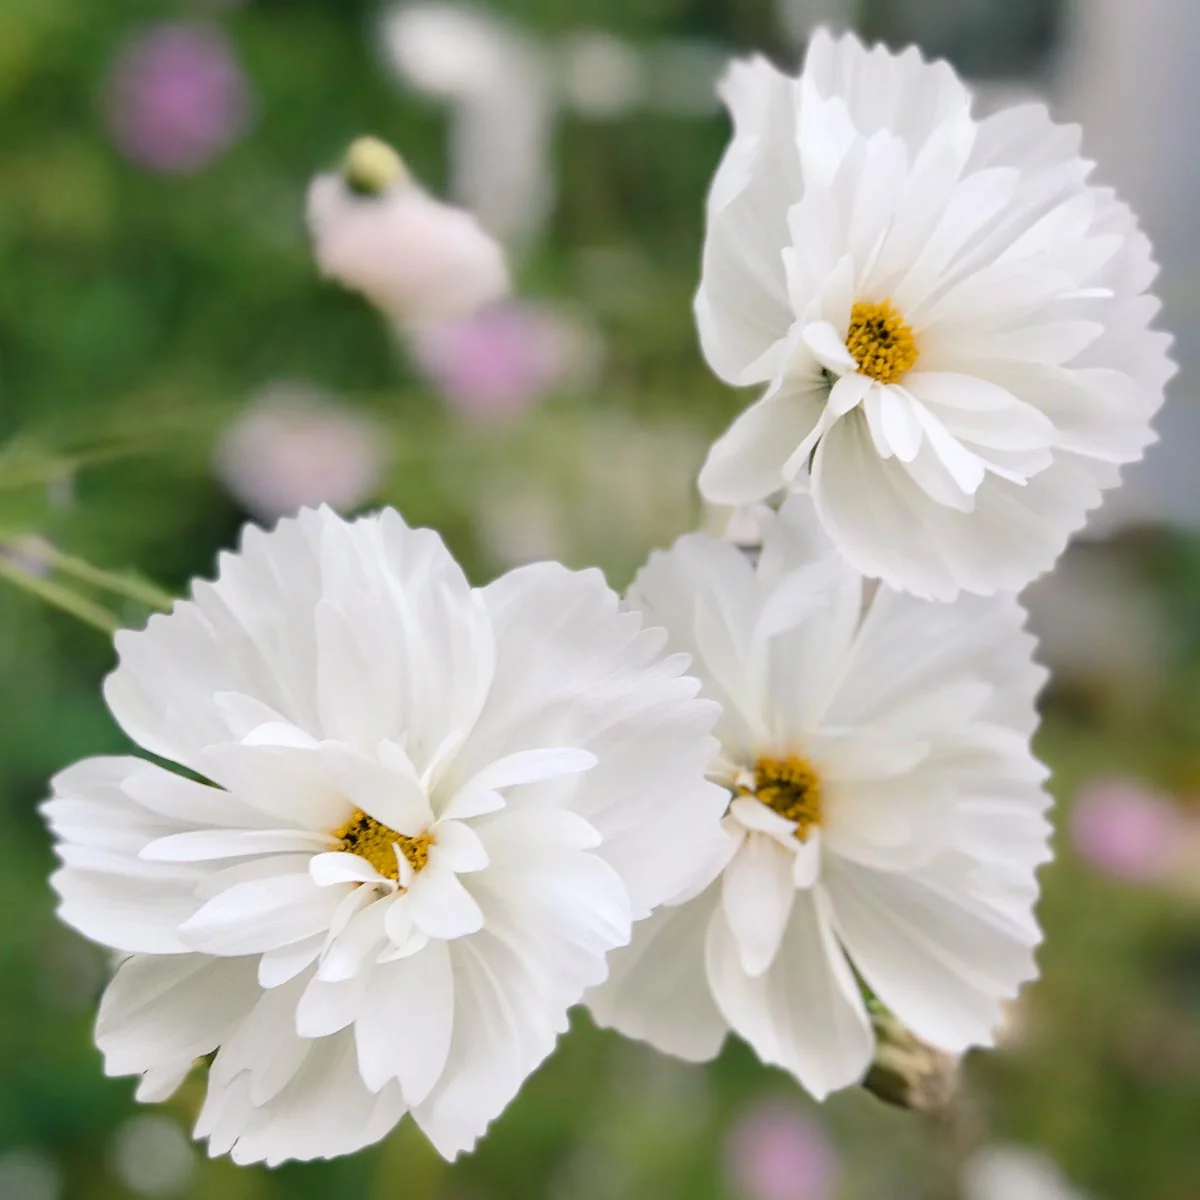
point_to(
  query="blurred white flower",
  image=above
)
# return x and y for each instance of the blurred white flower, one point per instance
(294, 447)
(153, 1157)
(29, 1175)
(885, 810)
(520, 524)
(416, 817)
(412, 256)
(602, 76)
(506, 89)
(951, 322)
(1010, 1173)
(499, 84)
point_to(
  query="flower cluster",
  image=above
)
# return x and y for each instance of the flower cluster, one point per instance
(397, 825)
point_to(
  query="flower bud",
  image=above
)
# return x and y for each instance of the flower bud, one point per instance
(377, 232)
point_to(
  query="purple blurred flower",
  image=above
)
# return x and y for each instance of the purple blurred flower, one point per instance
(503, 359)
(776, 1152)
(177, 97)
(1125, 829)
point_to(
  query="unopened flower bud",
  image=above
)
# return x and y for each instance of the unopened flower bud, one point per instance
(379, 233)
(372, 167)
(908, 1072)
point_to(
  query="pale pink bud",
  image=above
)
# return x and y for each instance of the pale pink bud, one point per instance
(293, 448)
(414, 257)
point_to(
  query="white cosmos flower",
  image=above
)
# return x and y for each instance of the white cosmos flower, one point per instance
(885, 811)
(951, 321)
(416, 817)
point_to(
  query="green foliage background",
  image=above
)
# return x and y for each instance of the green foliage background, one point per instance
(137, 314)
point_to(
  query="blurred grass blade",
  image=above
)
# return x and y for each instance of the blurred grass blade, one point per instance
(119, 583)
(58, 596)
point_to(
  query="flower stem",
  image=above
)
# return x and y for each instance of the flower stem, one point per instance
(54, 594)
(119, 584)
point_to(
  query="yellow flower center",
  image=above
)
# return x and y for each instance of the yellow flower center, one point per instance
(881, 341)
(369, 839)
(791, 787)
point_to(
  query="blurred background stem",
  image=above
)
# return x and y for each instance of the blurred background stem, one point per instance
(57, 596)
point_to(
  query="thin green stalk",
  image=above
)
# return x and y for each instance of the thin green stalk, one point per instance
(60, 597)
(110, 581)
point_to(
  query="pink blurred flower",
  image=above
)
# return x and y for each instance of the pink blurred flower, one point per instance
(293, 447)
(503, 359)
(776, 1152)
(1125, 829)
(412, 256)
(177, 98)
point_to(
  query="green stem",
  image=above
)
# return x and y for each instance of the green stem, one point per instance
(59, 597)
(111, 581)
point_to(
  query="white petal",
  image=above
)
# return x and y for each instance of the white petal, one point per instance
(441, 906)
(657, 990)
(277, 967)
(806, 861)
(899, 422)
(849, 392)
(323, 1109)
(474, 803)
(458, 848)
(265, 1048)
(404, 936)
(828, 347)
(280, 734)
(339, 867)
(208, 844)
(756, 898)
(393, 797)
(264, 914)
(751, 459)
(805, 1014)
(965, 468)
(504, 1027)
(354, 946)
(514, 770)
(328, 1006)
(167, 1010)
(405, 1024)
(576, 895)
(755, 815)
(939, 955)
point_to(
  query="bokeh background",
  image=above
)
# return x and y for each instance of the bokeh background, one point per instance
(171, 366)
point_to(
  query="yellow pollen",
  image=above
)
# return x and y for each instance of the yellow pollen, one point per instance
(791, 787)
(369, 839)
(881, 341)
